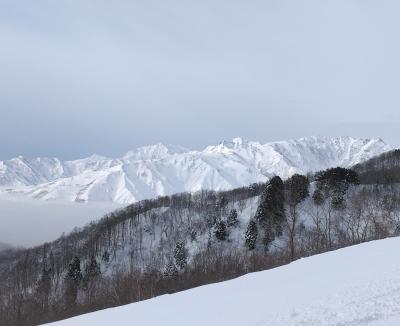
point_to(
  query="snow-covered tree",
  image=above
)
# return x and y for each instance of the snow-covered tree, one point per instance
(170, 271)
(74, 273)
(72, 281)
(318, 197)
(333, 183)
(106, 256)
(296, 190)
(251, 234)
(271, 212)
(211, 220)
(92, 269)
(232, 219)
(220, 230)
(180, 255)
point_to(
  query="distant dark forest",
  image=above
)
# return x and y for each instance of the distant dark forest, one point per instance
(383, 169)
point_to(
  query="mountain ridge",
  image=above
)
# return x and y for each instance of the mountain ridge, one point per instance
(151, 171)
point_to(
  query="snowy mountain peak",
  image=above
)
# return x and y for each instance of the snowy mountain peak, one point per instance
(235, 142)
(238, 140)
(160, 169)
(229, 145)
(156, 151)
(96, 157)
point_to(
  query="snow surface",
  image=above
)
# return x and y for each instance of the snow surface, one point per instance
(359, 285)
(157, 170)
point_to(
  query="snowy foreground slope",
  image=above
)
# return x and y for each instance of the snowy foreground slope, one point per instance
(157, 170)
(359, 285)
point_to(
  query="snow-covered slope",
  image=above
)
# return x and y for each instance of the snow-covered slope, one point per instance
(355, 286)
(161, 170)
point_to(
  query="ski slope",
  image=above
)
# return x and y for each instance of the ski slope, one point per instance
(359, 285)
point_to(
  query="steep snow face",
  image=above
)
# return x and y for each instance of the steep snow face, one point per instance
(162, 170)
(353, 286)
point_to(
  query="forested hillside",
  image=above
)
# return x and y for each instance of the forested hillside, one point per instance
(381, 169)
(178, 242)
(354, 286)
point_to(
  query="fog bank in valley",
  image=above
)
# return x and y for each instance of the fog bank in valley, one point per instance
(28, 222)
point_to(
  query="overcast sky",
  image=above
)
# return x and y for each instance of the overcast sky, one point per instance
(82, 77)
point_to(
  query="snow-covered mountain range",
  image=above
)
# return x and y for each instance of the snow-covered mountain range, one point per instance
(161, 170)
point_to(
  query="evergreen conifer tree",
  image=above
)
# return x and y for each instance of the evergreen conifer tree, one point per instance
(271, 213)
(232, 219)
(92, 269)
(170, 271)
(296, 190)
(251, 235)
(211, 220)
(220, 230)
(74, 270)
(332, 184)
(106, 256)
(180, 255)
(72, 281)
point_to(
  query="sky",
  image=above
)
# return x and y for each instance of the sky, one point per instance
(79, 77)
